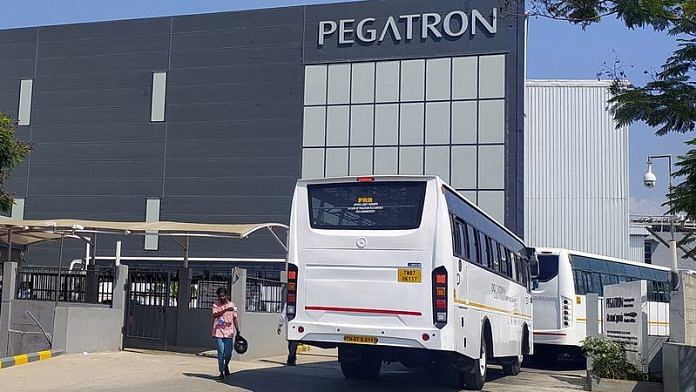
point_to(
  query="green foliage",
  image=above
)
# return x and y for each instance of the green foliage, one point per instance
(684, 194)
(609, 360)
(668, 101)
(12, 152)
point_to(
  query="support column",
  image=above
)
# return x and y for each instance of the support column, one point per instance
(239, 296)
(591, 328)
(92, 282)
(9, 287)
(120, 295)
(184, 296)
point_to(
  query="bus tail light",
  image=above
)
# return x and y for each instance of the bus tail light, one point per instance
(440, 297)
(291, 299)
(566, 312)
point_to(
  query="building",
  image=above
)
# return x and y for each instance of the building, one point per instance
(212, 118)
(576, 169)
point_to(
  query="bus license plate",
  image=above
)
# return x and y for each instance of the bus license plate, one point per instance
(355, 339)
(409, 275)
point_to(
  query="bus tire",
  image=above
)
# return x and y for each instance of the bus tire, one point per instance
(448, 373)
(360, 364)
(475, 378)
(512, 366)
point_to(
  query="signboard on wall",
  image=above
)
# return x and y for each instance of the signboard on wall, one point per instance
(625, 321)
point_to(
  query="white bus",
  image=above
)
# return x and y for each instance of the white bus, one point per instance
(565, 276)
(404, 269)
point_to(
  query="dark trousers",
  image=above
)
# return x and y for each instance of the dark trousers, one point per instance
(292, 351)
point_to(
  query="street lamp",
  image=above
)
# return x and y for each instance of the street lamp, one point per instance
(650, 180)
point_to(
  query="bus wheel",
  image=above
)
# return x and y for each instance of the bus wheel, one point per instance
(512, 366)
(475, 378)
(448, 373)
(359, 363)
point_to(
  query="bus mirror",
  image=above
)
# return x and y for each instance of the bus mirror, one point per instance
(534, 268)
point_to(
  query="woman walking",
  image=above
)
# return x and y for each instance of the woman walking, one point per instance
(225, 327)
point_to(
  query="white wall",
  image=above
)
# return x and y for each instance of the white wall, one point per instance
(576, 169)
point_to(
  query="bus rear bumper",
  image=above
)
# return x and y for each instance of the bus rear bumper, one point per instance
(561, 337)
(332, 335)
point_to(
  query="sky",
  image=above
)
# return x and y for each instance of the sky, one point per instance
(556, 50)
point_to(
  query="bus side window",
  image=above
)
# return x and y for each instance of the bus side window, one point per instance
(490, 257)
(456, 237)
(477, 247)
(465, 237)
(579, 283)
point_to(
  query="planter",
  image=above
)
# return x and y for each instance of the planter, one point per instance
(607, 385)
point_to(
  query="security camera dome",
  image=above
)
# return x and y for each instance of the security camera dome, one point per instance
(649, 179)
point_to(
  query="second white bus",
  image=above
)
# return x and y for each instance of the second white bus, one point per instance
(565, 276)
(404, 269)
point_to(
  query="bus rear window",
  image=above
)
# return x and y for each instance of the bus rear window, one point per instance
(548, 267)
(391, 205)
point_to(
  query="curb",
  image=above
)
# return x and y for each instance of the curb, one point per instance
(26, 358)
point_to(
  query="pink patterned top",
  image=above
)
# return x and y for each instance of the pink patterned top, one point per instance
(223, 326)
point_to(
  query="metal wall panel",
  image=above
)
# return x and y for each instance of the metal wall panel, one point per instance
(229, 149)
(576, 169)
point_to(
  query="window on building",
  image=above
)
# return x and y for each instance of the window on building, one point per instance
(25, 96)
(648, 251)
(159, 94)
(152, 214)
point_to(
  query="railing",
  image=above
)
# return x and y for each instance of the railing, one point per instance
(264, 295)
(204, 287)
(51, 283)
(153, 288)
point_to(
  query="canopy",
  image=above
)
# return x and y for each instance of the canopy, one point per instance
(27, 232)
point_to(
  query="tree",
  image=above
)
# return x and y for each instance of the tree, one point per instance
(12, 152)
(668, 101)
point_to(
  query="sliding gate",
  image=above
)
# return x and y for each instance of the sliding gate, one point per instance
(151, 295)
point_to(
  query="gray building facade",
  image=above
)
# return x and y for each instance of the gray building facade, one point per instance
(213, 117)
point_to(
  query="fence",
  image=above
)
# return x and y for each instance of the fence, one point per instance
(263, 295)
(47, 283)
(204, 286)
(153, 288)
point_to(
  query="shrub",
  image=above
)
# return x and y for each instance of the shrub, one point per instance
(609, 360)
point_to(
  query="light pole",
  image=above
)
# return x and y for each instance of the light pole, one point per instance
(650, 180)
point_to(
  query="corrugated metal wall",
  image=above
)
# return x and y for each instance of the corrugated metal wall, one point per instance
(576, 169)
(636, 249)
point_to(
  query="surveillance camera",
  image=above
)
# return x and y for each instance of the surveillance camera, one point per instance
(649, 180)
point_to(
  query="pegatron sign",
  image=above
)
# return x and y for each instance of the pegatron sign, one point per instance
(431, 26)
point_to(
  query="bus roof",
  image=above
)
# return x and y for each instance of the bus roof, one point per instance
(330, 180)
(541, 251)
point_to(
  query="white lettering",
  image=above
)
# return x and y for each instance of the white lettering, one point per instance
(433, 25)
(343, 29)
(491, 27)
(447, 24)
(371, 33)
(391, 25)
(326, 29)
(410, 19)
(429, 26)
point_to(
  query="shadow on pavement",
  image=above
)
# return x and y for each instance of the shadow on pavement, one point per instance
(327, 376)
(201, 375)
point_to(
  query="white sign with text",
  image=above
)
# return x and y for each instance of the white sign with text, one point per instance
(625, 319)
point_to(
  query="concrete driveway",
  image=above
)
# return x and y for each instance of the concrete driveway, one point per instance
(317, 371)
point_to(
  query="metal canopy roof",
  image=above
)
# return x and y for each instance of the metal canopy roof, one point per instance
(27, 232)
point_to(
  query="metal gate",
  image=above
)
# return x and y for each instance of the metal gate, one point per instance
(150, 295)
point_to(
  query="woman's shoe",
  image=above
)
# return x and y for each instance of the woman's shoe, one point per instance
(227, 370)
(221, 377)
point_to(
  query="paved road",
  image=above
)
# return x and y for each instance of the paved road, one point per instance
(317, 371)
